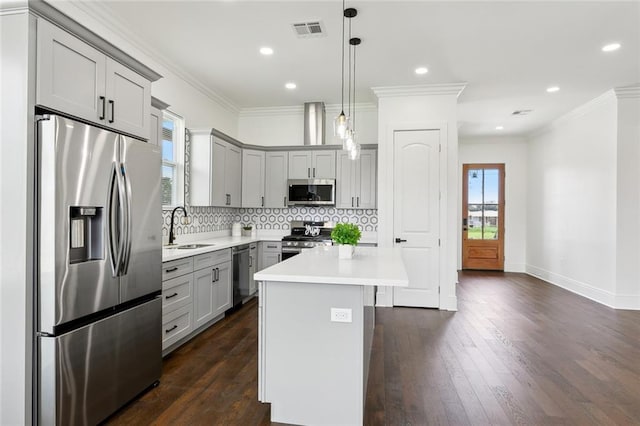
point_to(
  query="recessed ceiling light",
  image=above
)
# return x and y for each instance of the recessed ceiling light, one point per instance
(611, 47)
(266, 51)
(421, 70)
(553, 89)
(499, 127)
(290, 86)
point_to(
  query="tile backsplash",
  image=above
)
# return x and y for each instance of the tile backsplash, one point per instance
(211, 219)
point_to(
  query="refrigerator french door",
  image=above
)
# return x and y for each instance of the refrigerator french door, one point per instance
(98, 311)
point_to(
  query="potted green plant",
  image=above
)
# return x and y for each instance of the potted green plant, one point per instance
(346, 235)
(246, 230)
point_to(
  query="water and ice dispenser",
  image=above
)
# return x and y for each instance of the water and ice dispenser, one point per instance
(85, 229)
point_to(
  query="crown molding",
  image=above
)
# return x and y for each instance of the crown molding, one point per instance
(628, 92)
(157, 103)
(13, 7)
(574, 114)
(420, 90)
(299, 109)
(100, 12)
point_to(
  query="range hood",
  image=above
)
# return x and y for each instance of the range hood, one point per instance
(314, 123)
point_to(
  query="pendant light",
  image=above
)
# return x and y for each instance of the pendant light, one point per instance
(341, 122)
(353, 146)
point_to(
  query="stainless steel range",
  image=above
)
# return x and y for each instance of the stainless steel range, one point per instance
(304, 235)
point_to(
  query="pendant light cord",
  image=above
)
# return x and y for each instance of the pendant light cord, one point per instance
(349, 67)
(342, 69)
(353, 119)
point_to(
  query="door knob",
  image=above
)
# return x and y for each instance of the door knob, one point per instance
(400, 240)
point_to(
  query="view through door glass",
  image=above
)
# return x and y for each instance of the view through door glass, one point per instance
(483, 204)
(482, 216)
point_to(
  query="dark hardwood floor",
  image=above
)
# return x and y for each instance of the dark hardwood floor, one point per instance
(518, 351)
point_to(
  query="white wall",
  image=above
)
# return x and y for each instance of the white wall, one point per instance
(422, 107)
(628, 202)
(284, 125)
(16, 215)
(199, 108)
(512, 151)
(571, 220)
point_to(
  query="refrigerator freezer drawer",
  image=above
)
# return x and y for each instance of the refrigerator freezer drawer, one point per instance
(87, 374)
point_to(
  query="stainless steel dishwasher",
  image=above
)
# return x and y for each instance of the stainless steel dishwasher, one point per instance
(240, 273)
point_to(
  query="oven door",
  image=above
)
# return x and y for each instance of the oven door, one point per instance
(288, 252)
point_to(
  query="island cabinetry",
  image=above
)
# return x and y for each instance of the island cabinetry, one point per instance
(270, 254)
(77, 79)
(253, 177)
(357, 181)
(253, 267)
(312, 164)
(276, 172)
(213, 290)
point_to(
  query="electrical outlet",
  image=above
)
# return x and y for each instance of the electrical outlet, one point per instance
(340, 315)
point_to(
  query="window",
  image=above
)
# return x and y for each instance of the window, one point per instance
(172, 160)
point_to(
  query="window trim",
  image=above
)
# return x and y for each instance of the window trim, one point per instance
(178, 155)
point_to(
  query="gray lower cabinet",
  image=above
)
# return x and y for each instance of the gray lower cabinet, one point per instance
(195, 291)
(213, 292)
(253, 266)
(270, 254)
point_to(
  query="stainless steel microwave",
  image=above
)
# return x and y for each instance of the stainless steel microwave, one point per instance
(312, 192)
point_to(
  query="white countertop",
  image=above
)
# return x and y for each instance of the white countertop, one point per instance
(369, 266)
(222, 242)
(219, 243)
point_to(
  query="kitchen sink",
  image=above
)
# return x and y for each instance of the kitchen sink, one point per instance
(193, 246)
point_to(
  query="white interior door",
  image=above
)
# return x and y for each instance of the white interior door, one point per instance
(416, 215)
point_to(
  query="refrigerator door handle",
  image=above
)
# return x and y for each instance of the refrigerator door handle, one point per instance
(122, 204)
(116, 234)
(127, 225)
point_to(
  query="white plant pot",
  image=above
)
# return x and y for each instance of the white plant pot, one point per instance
(345, 251)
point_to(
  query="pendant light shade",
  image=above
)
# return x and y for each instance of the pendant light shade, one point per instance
(354, 152)
(340, 125)
(349, 140)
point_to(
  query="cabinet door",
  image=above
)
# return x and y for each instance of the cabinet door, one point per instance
(323, 165)
(345, 182)
(253, 265)
(275, 188)
(128, 100)
(233, 175)
(366, 180)
(218, 195)
(253, 163)
(70, 74)
(300, 165)
(201, 178)
(222, 289)
(155, 126)
(270, 259)
(204, 296)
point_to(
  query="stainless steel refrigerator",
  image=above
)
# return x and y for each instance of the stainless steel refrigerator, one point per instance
(99, 254)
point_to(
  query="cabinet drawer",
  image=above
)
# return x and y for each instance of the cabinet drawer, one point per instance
(272, 246)
(202, 261)
(176, 268)
(176, 293)
(176, 325)
(221, 256)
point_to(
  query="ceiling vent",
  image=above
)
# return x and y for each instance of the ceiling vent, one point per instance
(522, 112)
(309, 29)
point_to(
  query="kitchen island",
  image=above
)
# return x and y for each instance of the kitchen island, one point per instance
(316, 321)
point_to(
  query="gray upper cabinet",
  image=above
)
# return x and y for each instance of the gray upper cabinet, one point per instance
(253, 174)
(356, 181)
(155, 126)
(216, 171)
(275, 189)
(312, 164)
(74, 78)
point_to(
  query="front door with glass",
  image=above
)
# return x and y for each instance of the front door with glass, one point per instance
(483, 217)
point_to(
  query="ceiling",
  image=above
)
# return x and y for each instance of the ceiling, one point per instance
(508, 53)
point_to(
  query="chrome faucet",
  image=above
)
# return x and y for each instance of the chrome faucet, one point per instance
(171, 235)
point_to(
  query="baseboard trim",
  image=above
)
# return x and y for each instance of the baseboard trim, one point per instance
(603, 297)
(628, 301)
(514, 267)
